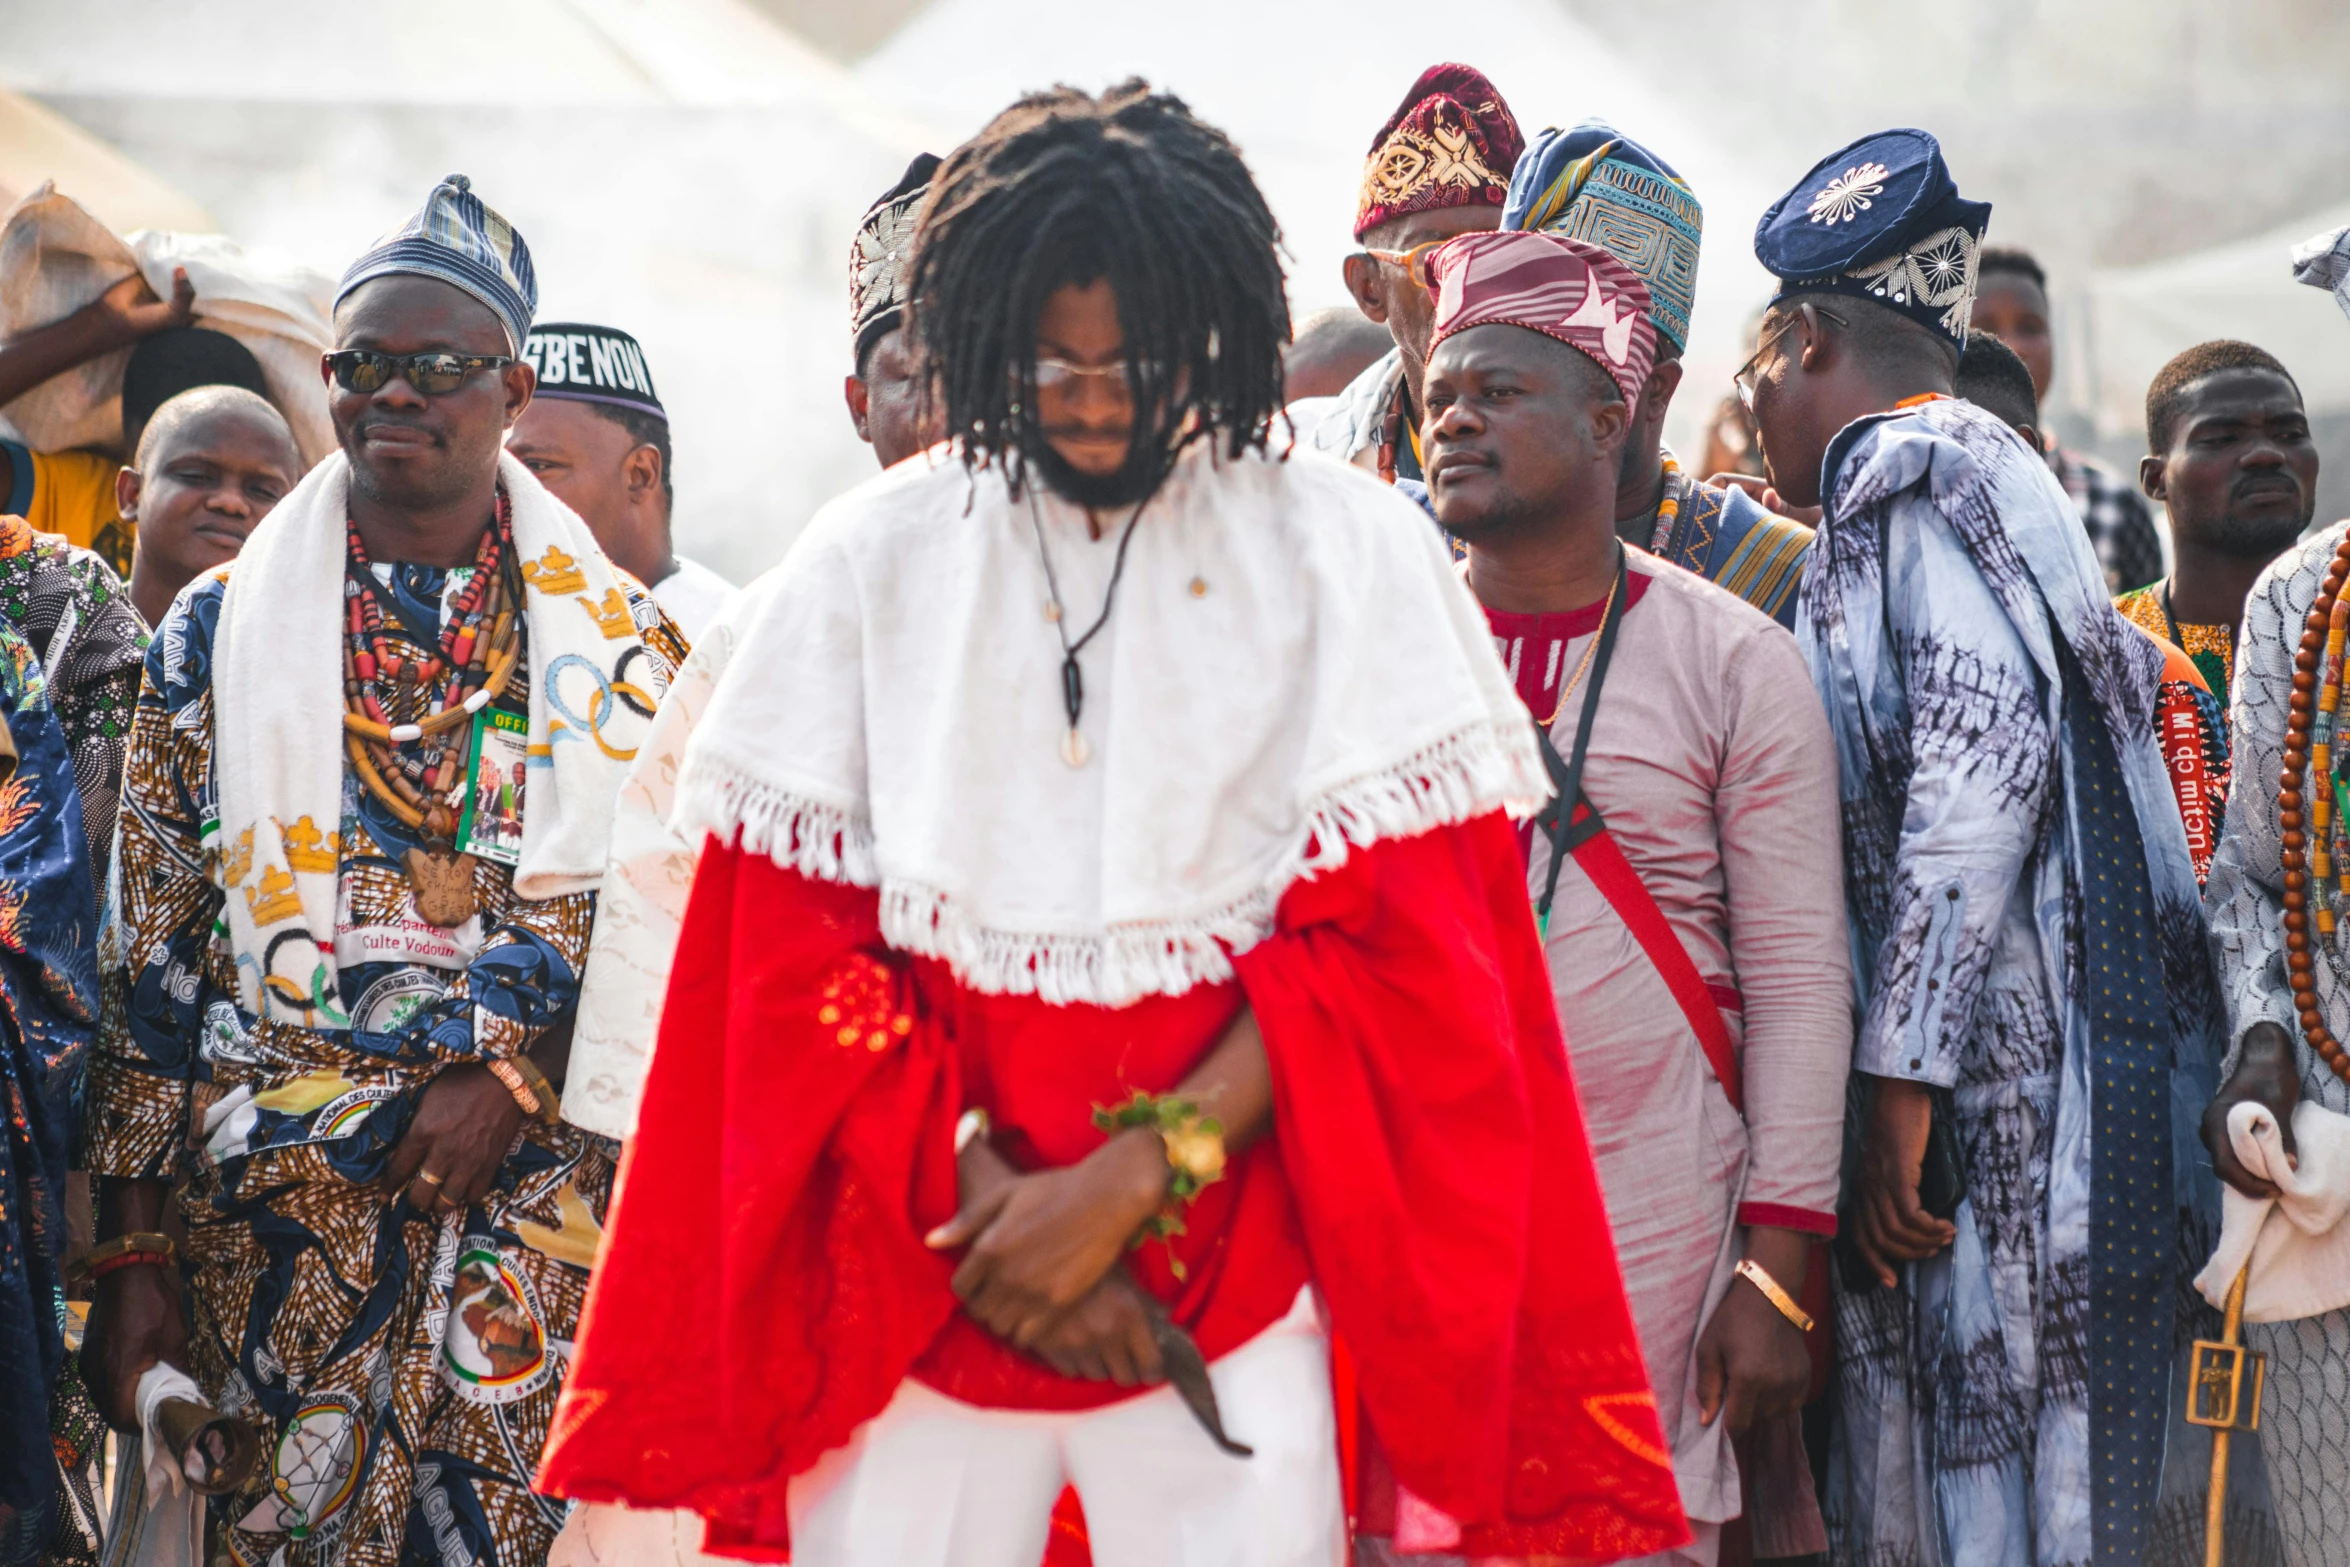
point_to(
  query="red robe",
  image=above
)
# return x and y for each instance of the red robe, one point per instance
(765, 1288)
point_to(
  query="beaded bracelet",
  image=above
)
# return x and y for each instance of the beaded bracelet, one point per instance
(1194, 1145)
(139, 1248)
(529, 1086)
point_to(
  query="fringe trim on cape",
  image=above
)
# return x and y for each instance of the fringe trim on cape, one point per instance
(821, 842)
(1485, 767)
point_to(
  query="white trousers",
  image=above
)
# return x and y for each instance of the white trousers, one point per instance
(932, 1482)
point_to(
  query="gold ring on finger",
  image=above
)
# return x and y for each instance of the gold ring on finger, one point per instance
(428, 1178)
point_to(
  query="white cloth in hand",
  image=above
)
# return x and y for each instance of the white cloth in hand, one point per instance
(156, 1518)
(2298, 1245)
(161, 1381)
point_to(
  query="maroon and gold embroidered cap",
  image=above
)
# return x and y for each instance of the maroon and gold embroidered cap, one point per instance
(1565, 288)
(1451, 143)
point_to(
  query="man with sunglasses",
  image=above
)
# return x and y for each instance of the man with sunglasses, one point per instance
(643, 901)
(2027, 930)
(1440, 166)
(348, 982)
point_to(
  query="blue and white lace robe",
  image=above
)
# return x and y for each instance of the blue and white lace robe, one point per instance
(1947, 559)
(2305, 1413)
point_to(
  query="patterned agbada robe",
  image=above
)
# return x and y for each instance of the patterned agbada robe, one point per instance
(2016, 1400)
(68, 603)
(1730, 539)
(401, 1368)
(87, 640)
(48, 1006)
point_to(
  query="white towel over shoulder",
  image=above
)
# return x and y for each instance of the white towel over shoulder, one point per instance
(277, 684)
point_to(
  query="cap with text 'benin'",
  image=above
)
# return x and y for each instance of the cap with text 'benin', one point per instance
(1883, 220)
(591, 364)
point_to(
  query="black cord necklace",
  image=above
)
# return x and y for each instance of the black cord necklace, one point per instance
(1074, 750)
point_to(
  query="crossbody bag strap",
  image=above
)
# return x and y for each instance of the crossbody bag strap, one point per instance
(1602, 859)
(1569, 817)
(1574, 826)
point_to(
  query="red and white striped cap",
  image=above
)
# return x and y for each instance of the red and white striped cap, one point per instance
(1564, 288)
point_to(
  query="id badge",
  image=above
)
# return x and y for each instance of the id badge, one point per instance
(492, 825)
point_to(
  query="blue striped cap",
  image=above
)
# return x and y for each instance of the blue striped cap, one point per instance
(461, 242)
(1596, 184)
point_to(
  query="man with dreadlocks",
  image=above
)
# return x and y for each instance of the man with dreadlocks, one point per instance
(1112, 946)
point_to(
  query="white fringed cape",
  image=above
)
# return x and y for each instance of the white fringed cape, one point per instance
(1291, 671)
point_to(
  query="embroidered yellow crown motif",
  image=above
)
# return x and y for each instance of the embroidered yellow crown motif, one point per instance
(273, 899)
(240, 860)
(554, 573)
(310, 851)
(611, 616)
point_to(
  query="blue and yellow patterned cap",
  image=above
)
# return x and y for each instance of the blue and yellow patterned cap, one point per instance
(1596, 184)
(460, 241)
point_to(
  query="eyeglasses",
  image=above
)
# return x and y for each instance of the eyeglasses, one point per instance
(1749, 372)
(360, 370)
(1413, 261)
(1059, 374)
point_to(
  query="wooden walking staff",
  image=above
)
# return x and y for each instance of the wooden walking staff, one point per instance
(2216, 1398)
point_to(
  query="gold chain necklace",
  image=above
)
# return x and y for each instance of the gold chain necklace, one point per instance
(1589, 648)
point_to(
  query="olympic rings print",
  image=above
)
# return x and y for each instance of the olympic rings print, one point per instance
(609, 693)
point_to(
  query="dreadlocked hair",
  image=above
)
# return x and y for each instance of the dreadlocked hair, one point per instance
(1064, 188)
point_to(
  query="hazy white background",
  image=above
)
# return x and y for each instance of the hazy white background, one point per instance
(690, 169)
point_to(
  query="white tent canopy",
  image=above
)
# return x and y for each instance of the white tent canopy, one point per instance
(2128, 323)
(686, 170)
(38, 145)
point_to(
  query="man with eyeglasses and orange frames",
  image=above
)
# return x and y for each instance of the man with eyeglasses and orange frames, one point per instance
(1439, 167)
(350, 988)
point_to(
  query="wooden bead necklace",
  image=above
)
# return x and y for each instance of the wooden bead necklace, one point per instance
(2313, 849)
(404, 718)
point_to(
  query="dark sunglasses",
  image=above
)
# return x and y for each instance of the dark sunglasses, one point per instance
(359, 370)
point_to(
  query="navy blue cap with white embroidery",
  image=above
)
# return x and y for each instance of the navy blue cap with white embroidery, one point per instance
(1883, 220)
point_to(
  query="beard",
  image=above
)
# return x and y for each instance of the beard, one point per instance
(1504, 514)
(441, 479)
(2257, 538)
(1145, 469)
